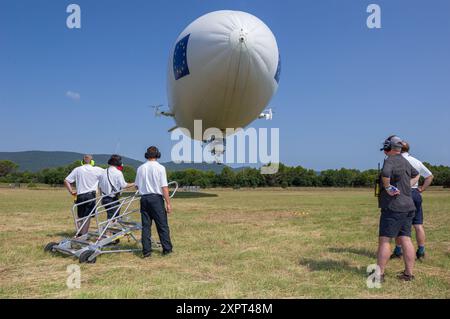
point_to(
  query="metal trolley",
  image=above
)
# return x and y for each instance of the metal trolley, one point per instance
(104, 234)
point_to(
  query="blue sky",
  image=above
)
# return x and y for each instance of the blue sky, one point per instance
(343, 87)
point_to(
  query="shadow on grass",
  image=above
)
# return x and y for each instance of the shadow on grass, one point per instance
(194, 195)
(330, 265)
(155, 252)
(356, 251)
(62, 234)
(61, 255)
(182, 195)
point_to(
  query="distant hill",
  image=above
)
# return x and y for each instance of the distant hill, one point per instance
(34, 161)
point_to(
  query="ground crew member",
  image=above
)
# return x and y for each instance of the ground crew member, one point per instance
(417, 198)
(86, 179)
(397, 207)
(111, 182)
(151, 181)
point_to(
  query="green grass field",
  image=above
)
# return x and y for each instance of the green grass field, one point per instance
(270, 243)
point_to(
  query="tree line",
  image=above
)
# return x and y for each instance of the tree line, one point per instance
(249, 177)
(9, 173)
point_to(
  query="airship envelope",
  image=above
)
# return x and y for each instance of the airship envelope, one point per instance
(223, 69)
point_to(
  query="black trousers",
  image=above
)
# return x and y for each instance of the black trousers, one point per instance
(152, 209)
(111, 208)
(85, 209)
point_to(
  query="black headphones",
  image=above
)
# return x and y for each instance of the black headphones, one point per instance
(152, 152)
(387, 146)
(115, 160)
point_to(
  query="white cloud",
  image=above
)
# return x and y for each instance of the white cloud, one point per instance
(73, 95)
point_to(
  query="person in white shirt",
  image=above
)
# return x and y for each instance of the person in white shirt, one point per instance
(111, 182)
(151, 182)
(417, 197)
(86, 178)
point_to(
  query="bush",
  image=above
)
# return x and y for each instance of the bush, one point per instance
(446, 181)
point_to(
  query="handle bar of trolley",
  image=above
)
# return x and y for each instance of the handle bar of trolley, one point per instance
(119, 203)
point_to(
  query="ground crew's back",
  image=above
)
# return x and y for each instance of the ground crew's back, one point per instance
(150, 178)
(86, 178)
(419, 166)
(400, 171)
(112, 181)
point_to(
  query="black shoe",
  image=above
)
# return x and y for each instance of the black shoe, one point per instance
(396, 256)
(403, 276)
(147, 255)
(166, 252)
(420, 255)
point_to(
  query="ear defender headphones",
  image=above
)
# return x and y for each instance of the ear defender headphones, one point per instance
(92, 163)
(152, 152)
(387, 145)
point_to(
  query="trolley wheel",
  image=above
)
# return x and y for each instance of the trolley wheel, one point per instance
(85, 256)
(49, 247)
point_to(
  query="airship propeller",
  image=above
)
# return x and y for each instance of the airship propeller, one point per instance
(267, 114)
(158, 112)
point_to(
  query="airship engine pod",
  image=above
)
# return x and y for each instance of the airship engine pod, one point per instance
(223, 69)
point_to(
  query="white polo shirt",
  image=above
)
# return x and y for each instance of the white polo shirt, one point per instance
(86, 177)
(115, 178)
(418, 165)
(150, 178)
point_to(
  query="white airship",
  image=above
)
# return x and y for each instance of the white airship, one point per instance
(223, 69)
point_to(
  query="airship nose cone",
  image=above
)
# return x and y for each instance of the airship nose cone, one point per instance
(238, 37)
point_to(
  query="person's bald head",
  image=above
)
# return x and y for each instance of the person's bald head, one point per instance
(405, 147)
(87, 159)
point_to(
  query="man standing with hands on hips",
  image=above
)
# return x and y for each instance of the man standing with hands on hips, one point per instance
(86, 178)
(397, 207)
(151, 182)
(417, 198)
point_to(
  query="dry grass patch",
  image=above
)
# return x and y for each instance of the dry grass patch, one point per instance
(263, 243)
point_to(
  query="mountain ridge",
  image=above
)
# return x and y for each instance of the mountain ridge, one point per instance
(35, 161)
